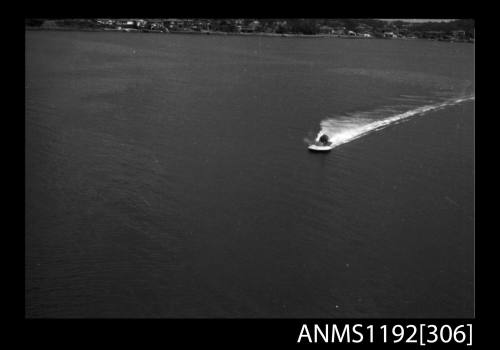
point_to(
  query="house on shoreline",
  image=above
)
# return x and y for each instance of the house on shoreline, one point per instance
(390, 35)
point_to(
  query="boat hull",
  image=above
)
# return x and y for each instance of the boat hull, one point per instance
(316, 148)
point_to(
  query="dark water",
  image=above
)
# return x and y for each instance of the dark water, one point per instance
(168, 176)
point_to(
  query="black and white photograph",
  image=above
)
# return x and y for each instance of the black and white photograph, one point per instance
(249, 168)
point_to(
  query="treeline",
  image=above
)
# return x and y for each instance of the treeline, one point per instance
(466, 25)
(73, 23)
(313, 26)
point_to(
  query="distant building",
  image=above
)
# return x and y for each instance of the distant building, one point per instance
(140, 23)
(174, 24)
(390, 35)
(124, 23)
(105, 21)
(255, 25)
(155, 24)
(201, 24)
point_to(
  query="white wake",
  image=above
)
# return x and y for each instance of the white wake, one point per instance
(348, 128)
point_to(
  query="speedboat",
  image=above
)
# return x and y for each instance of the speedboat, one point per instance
(322, 144)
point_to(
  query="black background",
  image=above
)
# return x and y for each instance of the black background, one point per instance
(236, 333)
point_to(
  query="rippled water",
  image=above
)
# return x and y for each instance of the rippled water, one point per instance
(167, 176)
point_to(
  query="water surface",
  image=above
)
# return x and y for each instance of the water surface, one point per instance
(168, 176)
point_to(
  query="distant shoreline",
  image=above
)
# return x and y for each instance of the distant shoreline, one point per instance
(73, 29)
(287, 35)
